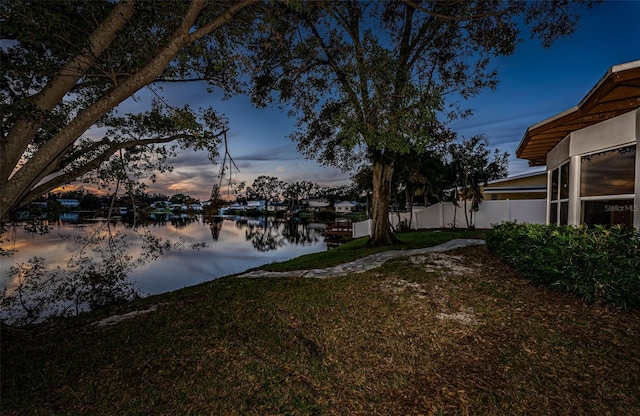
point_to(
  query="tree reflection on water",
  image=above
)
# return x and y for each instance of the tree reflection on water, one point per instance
(88, 263)
(264, 233)
(215, 225)
(269, 233)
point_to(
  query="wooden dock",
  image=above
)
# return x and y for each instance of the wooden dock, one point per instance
(338, 233)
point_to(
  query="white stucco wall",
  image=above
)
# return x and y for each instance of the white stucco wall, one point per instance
(616, 132)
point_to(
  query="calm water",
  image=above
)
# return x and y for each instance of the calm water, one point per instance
(233, 244)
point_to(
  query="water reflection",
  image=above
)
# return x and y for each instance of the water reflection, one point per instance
(233, 244)
(215, 225)
(268, 234)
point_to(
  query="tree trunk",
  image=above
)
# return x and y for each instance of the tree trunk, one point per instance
(14, 191)
(381, 228)
(410, 195)
(455, 209)
(466, 211)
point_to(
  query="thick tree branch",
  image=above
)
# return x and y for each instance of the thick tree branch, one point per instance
(226, 17)
(25, 128)
(43, 164)
(339, 73)
(351, 25)
(110, 150)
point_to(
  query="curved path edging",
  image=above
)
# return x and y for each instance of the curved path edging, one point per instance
(366, 263)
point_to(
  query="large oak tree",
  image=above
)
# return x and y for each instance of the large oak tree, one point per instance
(66, 65)
(373, 80)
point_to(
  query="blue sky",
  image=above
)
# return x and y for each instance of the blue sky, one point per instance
(535, 83)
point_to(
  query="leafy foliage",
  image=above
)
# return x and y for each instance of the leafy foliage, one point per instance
(371, 81)
(265, 188)
(601, 264)
(94, 277)
(472, 167)
(68, 65)
(297, 192)
(421, 174)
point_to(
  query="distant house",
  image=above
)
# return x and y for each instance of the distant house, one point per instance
(526, 186)
(590, 153)
(69, 203)
(257, 205)
(277, 206)
(160, 205)
(119, 211)
(233, 207)
(317, 204)
(345, 207)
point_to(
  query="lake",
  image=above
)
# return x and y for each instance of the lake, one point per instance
(232, 245)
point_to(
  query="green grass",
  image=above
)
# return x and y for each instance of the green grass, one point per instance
(369, 343)
(355, 249)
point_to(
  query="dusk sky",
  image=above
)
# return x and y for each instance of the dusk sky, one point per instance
(535, 83)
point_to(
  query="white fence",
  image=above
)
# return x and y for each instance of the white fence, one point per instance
(445, 214)
(360, 229)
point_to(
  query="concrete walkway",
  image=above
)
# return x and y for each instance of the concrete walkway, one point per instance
(365, 263)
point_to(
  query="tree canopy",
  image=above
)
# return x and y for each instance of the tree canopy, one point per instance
(367, 80)
(372, 80)
(68, 65)
(267, 188)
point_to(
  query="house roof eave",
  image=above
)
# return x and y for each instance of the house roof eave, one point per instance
(617, 92)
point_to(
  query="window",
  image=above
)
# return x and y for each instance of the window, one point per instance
(559, 198)
(607, 185)
(608, 173)
(608, 212)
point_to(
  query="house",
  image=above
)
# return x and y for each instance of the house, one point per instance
(526, 186)
(277, 207)
(233, 207)
(69, 203)
(317, 204)
(257, 205)
(345, 207)
(590, 153)
(160, 205)
(119, 211)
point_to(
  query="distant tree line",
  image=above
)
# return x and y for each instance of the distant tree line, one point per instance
(453, 171)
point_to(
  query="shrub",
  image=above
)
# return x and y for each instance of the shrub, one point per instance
(599, 264)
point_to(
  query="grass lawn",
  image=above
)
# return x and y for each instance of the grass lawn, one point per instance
(454, 333)
(356, 249)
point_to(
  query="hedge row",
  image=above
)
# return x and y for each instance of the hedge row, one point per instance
(600, 264)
